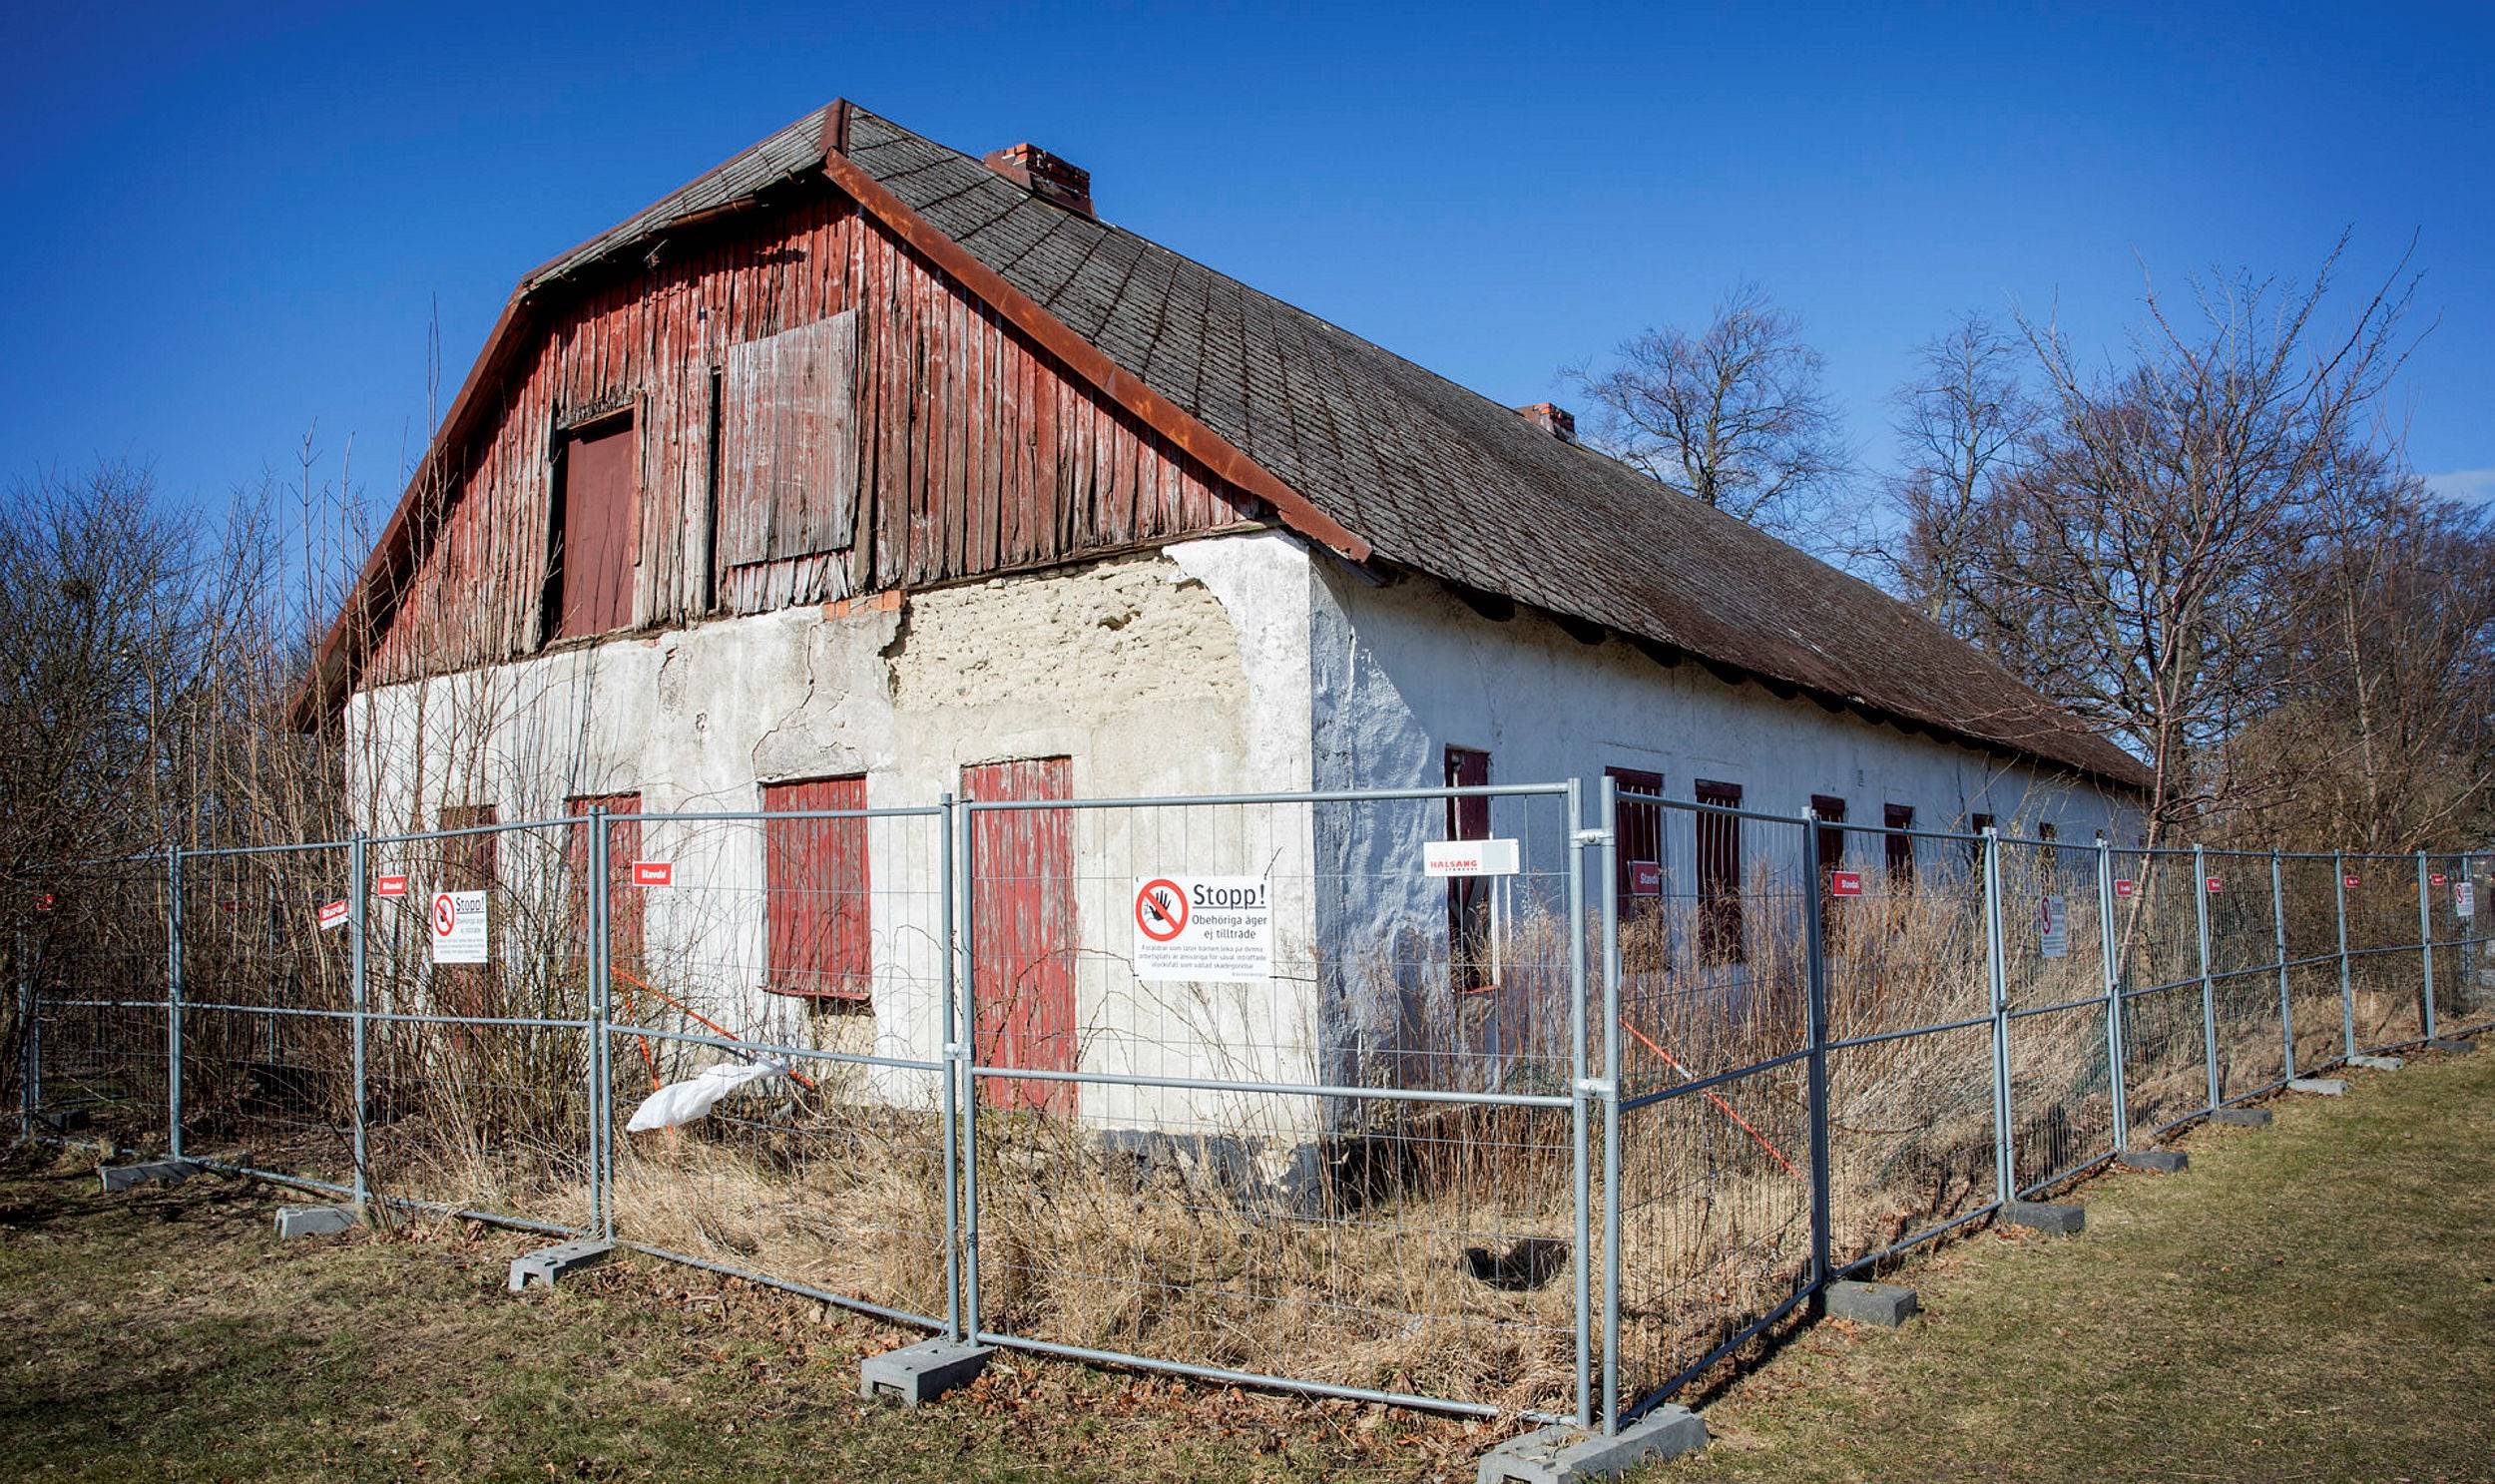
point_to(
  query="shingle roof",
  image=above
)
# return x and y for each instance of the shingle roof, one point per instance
(1447, 482)
(1359, 447)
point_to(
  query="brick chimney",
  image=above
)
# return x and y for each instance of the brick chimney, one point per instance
(1044, 174)
(1551, 419)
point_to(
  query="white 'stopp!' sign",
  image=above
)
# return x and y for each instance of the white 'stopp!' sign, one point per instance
(458, 923)
(1470, 859)
(1204, 929)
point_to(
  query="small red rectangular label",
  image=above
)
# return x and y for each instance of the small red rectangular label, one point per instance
(1645, 879)
(2436, 879)
(2124, 887)
(2351, 880)
(2217, 885)
(332, 915)
(390, 887)
(1844, 883)
(653, 873)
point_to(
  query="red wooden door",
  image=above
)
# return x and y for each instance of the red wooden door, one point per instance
(624, 900)
(1023, 933)
(818, 893)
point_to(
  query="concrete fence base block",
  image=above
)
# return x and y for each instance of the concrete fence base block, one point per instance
(1887, 1305)
(2325, 1087)
(1562, 1455)
(547, 1265)
(2044, 1216)
(2241, 1117)
(919, 1373)
(2156, 1160)
(2443, 1045)
(2376, 1063)
(129, 1176)
(314, 1221)
(62, 1120)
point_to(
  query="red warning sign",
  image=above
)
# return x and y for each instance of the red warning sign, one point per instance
(653, 873)
(2217, 885)
(2352, 882)
(1645, 879)
(445, 914)
(2437, 877)
(1160, 910)
(2124, 887)
(333, 914)
(43, 901)
(1844, 883)
(390, 887)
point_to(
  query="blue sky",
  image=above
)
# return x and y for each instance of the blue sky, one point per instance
(227, 223)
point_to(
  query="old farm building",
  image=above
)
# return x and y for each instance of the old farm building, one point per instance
(860, 471)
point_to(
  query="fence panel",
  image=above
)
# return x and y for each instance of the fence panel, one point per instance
(2471, 965)
(1910, 1069)
(2244, 973)
(1714, 1183)
(808, 944)
(2385, 965)
(95, 1064)
(267, 1011)
(2061, 1096)
(1258, 1092)
(478, 1069)
(2308, 893)
(2158, 964)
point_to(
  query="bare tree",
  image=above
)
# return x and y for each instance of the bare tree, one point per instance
(2138, 567)
(1733, 416)
(1963, 420)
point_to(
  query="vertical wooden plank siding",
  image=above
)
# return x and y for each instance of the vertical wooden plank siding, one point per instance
(818, 893)
(1023, 930)
(972, 450)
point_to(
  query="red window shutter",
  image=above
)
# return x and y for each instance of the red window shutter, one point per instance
(1722, 934)
(1900, 846)
(1640, 827)
(624, 903)
(818, 893)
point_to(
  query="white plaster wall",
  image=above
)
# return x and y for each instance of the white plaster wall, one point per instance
(1402, 672)
(1184, 673)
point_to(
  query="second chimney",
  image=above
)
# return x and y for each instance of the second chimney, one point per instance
(1551, 419)
(1044, 174)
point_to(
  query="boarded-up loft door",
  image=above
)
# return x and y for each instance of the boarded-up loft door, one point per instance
(1023, 933)
(596, 532)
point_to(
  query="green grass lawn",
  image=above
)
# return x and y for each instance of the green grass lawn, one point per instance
(2312, 1301)
(2316, 1301)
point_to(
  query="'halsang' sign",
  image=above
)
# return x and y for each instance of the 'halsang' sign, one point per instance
(1204, 929)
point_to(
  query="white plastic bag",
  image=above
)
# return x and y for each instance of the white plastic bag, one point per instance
(680, 1103)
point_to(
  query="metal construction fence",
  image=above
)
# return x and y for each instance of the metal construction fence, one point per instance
(1477, 1099)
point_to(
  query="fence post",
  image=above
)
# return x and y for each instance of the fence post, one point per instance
(2111, 963)
(358, 893)
(951, 1089)
(1610, 867)
(1581, 1088)
(1816, 970)
(2278, 935)
(2208, 990)
(2347, 986)
(2005, 1173)
(962, 1054)
(173, 998)
(601, 1085)
(2426, 940)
